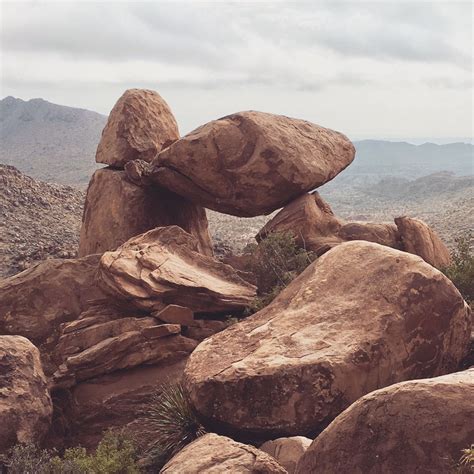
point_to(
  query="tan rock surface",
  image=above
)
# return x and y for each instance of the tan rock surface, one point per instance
(287, 451)
(420, 239)
(116, 210)
(25, 404)
(214, 454)
(176, 314)
(416, 426)
(140, 125)
(163, 266)
(251, 163)
(361, 317)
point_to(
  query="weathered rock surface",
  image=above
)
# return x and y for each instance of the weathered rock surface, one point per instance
(36, 301)
(140, 125)
(25, 404)
(420, 239)
(163, 266)
(251, 163)
(287, 451)
(361, 317)
(176, 314)
(212, 453)
(116, 210)
(416, 426)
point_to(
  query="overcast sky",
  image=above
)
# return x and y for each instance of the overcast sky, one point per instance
(378, 69)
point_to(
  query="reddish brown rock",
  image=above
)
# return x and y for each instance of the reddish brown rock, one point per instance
(176, 314)
(203, 328)
(212, 453)
(25, 404)
(363, 316)
(251, 163)
(384, 233)
(140, 125)
(287, 451)
(163, 266)
(417, 426)
(116, 210)
(420, 239)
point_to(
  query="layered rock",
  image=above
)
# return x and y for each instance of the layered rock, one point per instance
(25, 404)
(251, 163)
(140, 125)
(287, 451)
(420, 239)
(212, 453)
(117, 209)
(361, 317)
(163, 266)
(417, 426)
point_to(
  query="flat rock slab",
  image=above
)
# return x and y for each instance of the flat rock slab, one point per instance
(163, 266)
(361, 317)
(416, 426)
(287, 451)
(251, 163)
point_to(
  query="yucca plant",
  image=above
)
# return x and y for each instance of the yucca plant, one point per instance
(467, 458)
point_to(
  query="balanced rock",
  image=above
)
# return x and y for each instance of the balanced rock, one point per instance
(163, 266)
(416, 426)
(116, 210)
(251, 163)
(420, 239)
(140, 125)
(287, 451)
(361, 317)
(212, 453)
(25, 404)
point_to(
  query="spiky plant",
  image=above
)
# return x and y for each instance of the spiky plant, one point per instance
(467, 458)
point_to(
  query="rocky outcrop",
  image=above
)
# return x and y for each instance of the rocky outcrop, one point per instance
(25, 404)
(361, 317)
(163, 266)
(116, 210)
(251, 163)
(417, 426)
(420, 239)
(287, 451)
(36, 301)
(140, 125)
(212, 453)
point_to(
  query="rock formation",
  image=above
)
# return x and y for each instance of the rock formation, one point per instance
(116, 210)
(25, 404)
(416, 426)
(163, 267)
(212, 453)
(140, 125)
(287, 451)
(361, 317)
(251, 163)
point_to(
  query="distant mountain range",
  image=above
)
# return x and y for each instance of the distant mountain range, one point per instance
(56, 143)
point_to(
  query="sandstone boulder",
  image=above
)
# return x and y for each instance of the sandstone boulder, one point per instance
(363, 316)
(251, 163)
(420, 239)
(287, 451)
(212, 453)
(417, 426)
(140, 125)
(25, 404)
(163, 266)
(116, 210)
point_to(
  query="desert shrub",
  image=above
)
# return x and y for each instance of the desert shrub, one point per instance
(28, 459)
(466, 462)
(461, 271)
(276, 261)
(172, 422)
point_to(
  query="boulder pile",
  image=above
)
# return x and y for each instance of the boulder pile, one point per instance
(147, 302)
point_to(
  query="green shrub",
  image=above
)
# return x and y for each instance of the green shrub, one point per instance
(276, 261)
(172, 421)
(461, 271)
(28, 459)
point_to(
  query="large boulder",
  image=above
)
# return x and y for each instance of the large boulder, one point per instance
(420, 239)
(163, 266)
(117, 209)
(140, 125)
(251, 163)
(25, 404)
(287, 451)
(212, 453)
(363, 316)
(416, 426)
